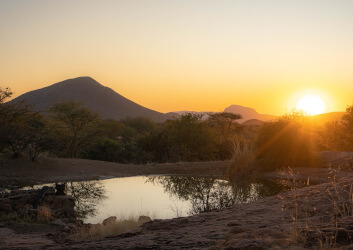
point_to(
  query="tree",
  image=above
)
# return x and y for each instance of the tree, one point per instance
(14, 127)
(4, 94)
(225, 123)
(185, 139)
(347, 126)
(226, 129)
(40, 137)
(76, 125)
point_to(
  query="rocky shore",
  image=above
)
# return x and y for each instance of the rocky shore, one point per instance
(317, 216)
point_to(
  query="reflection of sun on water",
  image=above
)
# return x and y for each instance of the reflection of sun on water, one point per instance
(311, 105)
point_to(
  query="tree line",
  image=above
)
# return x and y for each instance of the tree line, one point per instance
(73, 131)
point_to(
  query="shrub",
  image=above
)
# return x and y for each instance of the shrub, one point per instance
(286, 142)
(242, 163)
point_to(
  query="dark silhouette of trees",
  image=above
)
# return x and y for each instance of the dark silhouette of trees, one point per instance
(75, 125)
(225, 128)
(286, 142)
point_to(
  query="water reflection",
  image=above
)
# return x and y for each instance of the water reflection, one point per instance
(87, 195)
(209, 193)
(161, 197)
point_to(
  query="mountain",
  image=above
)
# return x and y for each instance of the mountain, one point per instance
(93, 95)
(248, 113)
(253, 122)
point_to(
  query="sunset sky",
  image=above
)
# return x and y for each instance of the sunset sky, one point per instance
(184, 55)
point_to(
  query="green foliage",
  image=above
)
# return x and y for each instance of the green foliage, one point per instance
(185, 139)
(226, 130)
(337, 135)
(286, 142)
(14, 127)
(75, 126)
(40, 136)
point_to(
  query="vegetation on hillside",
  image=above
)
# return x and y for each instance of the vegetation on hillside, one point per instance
(71, 130)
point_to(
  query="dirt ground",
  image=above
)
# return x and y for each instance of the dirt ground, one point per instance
(318, 216)
(22, 171)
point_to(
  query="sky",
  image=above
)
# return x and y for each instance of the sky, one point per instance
(196, 55)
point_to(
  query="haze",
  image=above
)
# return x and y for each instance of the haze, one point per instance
(184, 55)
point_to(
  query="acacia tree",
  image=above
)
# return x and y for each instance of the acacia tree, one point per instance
(225, 127)
(76, 125)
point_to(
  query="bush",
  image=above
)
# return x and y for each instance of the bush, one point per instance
(242, 163)
(286, 142)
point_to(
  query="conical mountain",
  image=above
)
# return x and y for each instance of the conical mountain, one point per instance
(92, 95)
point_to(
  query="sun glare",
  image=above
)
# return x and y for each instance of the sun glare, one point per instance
(311, 105)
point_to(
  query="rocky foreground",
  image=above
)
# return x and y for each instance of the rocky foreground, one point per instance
(314, 216)
(319, 216)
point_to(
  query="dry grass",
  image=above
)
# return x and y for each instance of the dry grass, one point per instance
(326, 230)
(43, 214)
(99, 231)
(242, 162)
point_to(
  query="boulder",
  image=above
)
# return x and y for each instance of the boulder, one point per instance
(143, 219)
(110, 220)
(58, 222)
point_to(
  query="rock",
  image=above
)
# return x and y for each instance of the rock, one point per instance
(58, 222)
(71, 225)
(6, 207)
(2, 225)
(66, 229)
(110, 220)
(78, 223)
(69, 213)
(238, 230)
(143, 219)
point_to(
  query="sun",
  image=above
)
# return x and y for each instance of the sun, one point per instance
(311, 105)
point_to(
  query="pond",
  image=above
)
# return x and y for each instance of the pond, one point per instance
(160, 197)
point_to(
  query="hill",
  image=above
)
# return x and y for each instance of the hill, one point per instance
(253, 122)
(248, 113)
(321, 119)
(93, 95)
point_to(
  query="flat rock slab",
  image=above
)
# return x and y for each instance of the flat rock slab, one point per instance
(11, 240)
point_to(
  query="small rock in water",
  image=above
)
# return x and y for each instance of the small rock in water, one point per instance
(110, 220)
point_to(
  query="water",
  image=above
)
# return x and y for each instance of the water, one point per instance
(160, 197)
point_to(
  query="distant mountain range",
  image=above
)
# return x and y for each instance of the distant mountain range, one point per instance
(93, 95)
(110, 104)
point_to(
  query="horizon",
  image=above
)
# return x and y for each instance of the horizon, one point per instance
(194, 56)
